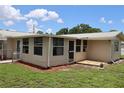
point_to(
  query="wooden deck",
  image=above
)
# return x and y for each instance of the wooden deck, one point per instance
(92, 63)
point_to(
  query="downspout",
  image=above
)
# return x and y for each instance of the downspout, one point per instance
(111, 51)
(49, 52)
(2, 51)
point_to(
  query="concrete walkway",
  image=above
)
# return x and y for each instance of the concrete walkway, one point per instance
(5, 61)
(92, 63)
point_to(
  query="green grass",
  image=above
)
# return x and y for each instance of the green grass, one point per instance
(14, 75)
(122, 56)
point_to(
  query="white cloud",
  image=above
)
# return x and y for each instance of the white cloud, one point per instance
(102, 20)
(49, 30)
(9, 12)
(31, 24)
(122, 20)
(60, 20)
(51, 15)
(44, 15)
(37, 13)
(110, 22)
(8, 23)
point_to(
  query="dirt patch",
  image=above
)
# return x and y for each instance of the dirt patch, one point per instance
(39, 69)
(54, 69)
(29, 67)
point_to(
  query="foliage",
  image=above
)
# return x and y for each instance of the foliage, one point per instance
(112, 30)
(62, 31)
(39, 32)
(81, 28)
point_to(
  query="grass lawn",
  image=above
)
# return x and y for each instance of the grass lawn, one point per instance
(15, 75)
(122, 56)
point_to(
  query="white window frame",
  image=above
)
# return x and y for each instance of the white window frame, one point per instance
(78, 45)
(25, 45)
(55, 46)
(116, 46)
(41, 46)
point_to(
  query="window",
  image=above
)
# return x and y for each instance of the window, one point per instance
(25, 45)
(38, 43)
(84, 45)
(0, 45)
(116, 46)
(78, 45)
(58, 46)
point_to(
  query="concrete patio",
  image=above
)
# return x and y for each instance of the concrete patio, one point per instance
(92, 63)
(7, 61)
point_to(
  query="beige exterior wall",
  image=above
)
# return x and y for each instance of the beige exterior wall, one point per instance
(10, 46)
(43, 60)
(62, 59)
(78, 56)
(36, 59)
(99, 50)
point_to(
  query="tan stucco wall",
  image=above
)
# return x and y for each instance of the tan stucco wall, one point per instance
(99, 50)
(80, 56)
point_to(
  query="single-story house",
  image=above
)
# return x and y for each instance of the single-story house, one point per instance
(53, 50)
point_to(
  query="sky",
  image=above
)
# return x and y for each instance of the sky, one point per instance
(51, 18)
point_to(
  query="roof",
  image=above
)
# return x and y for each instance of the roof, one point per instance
(86, 36)
(13, 33)
(97, 36)
(4, 34)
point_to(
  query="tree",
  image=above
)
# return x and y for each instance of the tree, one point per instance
(84, 28)
(74, 30)
(62, 31)
(39, 32)
(92, 30)
(112, 30)
(81, 28)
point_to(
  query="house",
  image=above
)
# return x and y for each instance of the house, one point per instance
(53, 50)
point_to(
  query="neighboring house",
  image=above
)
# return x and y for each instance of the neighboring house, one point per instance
(54, 50)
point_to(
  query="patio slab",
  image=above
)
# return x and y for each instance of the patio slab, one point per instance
(92, 63)
(7, 61)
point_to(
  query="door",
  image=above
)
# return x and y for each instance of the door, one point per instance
(71, 51)
(18, 48)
